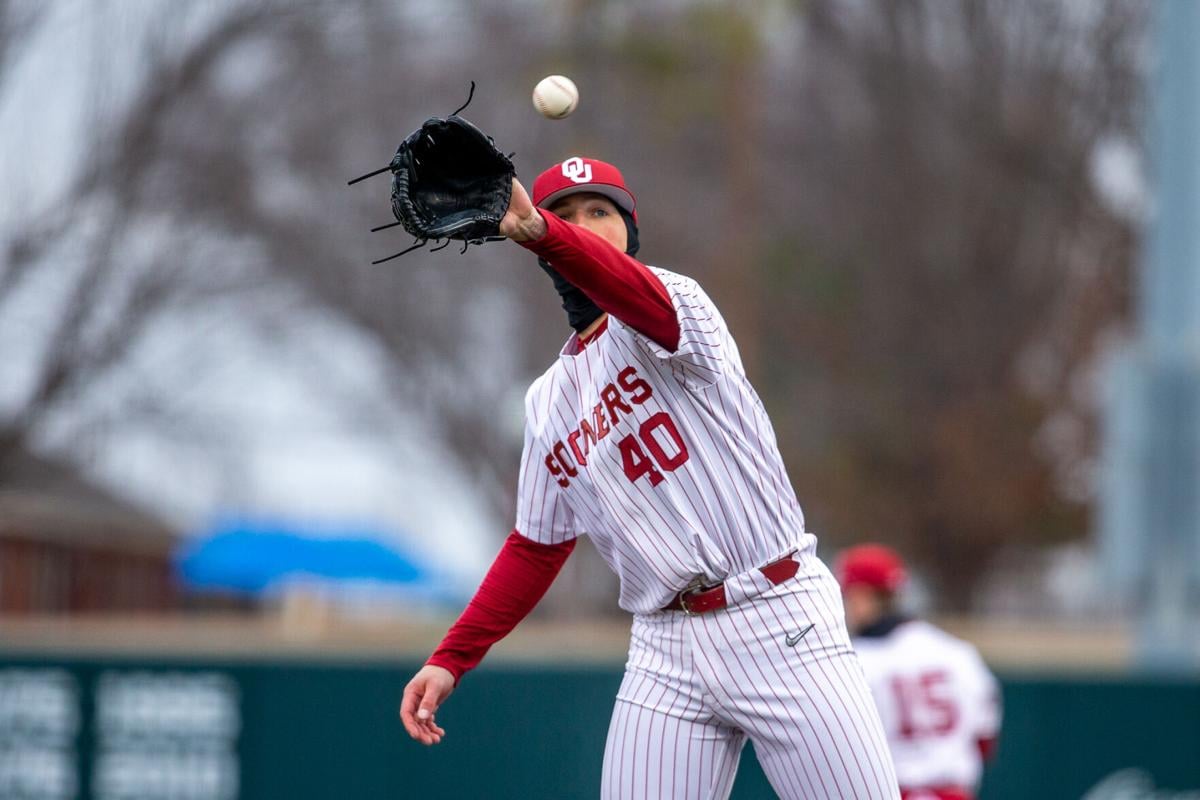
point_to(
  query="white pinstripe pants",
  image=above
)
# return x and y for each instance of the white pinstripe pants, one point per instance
(696, 687)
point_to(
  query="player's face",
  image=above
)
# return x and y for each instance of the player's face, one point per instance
(862, 606)
(596, 213)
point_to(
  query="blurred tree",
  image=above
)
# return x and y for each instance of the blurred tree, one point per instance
(949, 265)
(119, 258)
(221, 179)
(895, 204)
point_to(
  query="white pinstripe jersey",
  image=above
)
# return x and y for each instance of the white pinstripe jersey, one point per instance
(666, 460)
(937, 700)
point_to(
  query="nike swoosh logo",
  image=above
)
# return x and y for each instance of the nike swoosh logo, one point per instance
(793, 640)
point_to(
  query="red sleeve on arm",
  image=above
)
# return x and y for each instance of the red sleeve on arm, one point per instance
(619, 284)
(520, 575)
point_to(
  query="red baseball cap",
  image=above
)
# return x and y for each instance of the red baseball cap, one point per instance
(871, 565)
(578, 174)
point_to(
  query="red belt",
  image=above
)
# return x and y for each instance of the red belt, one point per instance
(701, 599)
(936, 793)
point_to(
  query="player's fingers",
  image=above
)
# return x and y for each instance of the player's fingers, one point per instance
(520, 197)
(420, 731)
(408, 711)
(414, 730)
(430, 732)
(429, 705)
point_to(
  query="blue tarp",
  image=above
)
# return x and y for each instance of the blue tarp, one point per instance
(254, 555)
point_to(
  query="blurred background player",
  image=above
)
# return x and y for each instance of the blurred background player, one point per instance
(939, 703)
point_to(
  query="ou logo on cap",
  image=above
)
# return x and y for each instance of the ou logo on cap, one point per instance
(575, 170)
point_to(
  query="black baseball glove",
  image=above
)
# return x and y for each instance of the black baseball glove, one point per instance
(449, 181)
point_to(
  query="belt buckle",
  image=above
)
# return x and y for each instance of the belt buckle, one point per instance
(696, 586)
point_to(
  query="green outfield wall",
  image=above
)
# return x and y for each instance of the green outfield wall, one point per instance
(134, 730)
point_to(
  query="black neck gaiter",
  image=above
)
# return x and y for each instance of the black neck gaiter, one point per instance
(581, 311)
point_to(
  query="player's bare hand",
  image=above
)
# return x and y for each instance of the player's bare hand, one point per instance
(522, 222)
(428, 689)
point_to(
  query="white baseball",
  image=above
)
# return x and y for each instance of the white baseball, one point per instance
(555, 96)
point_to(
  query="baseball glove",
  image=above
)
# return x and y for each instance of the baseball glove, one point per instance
(449, 181)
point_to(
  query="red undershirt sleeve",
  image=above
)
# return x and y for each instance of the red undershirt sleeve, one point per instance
(517, 580)
(618, 283)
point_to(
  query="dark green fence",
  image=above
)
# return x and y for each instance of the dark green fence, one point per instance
(215, 731)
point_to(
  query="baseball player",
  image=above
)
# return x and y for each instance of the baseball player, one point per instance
(938, 701)
(645, 434)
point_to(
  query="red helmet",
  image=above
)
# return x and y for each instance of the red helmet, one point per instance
(871, 565)
(577, 174)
